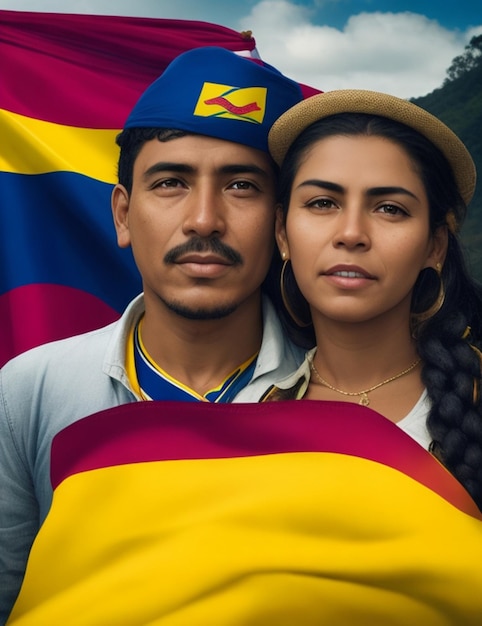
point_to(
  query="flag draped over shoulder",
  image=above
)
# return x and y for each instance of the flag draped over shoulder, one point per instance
(281, 513)
(68, 84)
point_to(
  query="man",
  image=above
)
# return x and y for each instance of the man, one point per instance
(195, 200)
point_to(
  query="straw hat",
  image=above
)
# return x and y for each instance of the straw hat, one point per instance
(287, 128)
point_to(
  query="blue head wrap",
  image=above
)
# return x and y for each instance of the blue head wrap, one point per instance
(213, 91)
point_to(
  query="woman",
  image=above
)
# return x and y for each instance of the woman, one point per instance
(374, 191)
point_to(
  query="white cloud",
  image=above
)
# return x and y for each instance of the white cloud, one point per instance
(472, 32)
(405, 54)
(402, 53)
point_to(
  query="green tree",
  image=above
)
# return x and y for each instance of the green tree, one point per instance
(458, 103)
(468, 60)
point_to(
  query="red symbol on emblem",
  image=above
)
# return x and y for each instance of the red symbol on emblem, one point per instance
(232, 108)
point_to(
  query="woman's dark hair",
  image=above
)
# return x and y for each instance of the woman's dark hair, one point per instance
(449, 341)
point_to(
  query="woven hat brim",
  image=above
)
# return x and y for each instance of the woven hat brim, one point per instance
(287, 128)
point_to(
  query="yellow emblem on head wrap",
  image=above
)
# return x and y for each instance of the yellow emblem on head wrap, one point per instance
(247, 104)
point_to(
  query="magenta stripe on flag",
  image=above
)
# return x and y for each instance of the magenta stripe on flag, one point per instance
(162, 431)
(44, 313)
(89, 70)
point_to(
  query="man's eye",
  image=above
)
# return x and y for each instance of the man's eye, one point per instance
(168, 182)
(242, 185)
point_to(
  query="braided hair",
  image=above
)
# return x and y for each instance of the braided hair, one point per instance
(450, 341)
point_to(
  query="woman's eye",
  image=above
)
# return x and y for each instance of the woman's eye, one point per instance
(321, 203)
(391, 209)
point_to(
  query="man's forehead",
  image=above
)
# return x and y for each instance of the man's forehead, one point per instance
(197, 152)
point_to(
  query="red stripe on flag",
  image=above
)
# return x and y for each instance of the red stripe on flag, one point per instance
(85, 71)
(38, 313)
(89, 70)
(161, 431)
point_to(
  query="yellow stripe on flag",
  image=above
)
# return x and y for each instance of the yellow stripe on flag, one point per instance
(277, 539)
(31, 146)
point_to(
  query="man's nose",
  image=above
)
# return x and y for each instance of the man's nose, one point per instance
(205, 215)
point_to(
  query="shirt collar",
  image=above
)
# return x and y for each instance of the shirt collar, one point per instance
(272, 355)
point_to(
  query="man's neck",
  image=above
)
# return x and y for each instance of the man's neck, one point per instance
(202, 353)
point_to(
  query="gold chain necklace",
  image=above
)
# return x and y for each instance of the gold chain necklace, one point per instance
(363, 394)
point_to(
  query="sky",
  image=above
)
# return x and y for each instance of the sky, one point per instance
(402, 48)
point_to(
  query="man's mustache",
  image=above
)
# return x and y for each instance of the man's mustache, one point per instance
(198, 244)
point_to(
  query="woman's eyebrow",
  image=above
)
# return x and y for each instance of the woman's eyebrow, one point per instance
(382, 191)
(374, 191)
(322, 184)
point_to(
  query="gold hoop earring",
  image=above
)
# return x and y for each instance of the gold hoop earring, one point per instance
(419, 318)
(286, 303)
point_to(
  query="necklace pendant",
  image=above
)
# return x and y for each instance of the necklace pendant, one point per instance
(364, 401)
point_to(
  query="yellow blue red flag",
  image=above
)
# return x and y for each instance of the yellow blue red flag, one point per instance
(68, 84)
(177, 513)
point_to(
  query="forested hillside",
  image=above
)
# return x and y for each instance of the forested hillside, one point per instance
(459, 104)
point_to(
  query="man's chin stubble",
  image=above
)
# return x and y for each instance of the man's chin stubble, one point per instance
(191, 313)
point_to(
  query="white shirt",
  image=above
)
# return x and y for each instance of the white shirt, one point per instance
(414, 423)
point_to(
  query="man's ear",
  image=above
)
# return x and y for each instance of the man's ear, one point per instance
(120, 214)
(280, 234)
(440, 241)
